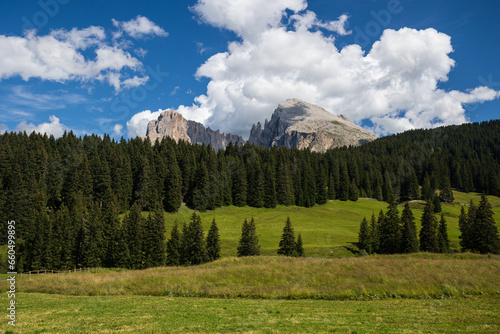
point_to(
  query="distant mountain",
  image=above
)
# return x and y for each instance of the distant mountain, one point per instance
(171, 124)
(299, 124)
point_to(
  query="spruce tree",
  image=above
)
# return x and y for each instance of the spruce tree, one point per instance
(374, 235)
(287, 245)
(300, 247)
(269, 187)
(484, 231)
(284, 185)
(436, 203)
(364, 236)
(195, 251)
(172, 197)
(213, 242)
(390, 231)
(249, 242)
(133, 224)
(344, 184)
(174, 247)
(322, 186)
(185, 242)
(154, 239)
(353, 192)
(427, 191)
(446, 194)
(463, 225)
(409, 239)
(443, 241)
(428, 232)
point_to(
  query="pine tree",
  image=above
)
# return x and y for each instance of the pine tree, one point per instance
(427, 191)
(364, 236)
(270, 187)
(287, 245)
(353, 192)
(443, 241)
(284, 185)
(428, 232)
(255, 183)
(436, 203)
(322, 186)
(484, 231)
(300, 248)
(374, 234)
(195, 250)
(172, 197)
(249, 242)
(447, 194)
(174, 247)
(239, 187)
(154, 239)
(463, 225)
(390, 231)
(213, 242)
(344, 184)
(133, 224)
(409, 239)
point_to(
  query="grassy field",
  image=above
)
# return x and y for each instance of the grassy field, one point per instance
(43, 313)
(328, 230)
(420, 276)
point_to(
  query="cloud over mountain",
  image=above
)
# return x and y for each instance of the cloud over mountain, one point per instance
(395, 85)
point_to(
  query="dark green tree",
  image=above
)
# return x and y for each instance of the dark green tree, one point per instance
(287, 245)
(364, 236)
(463, 225)
(390, 231)
(249, 242)
(195, 250)
(436, 203)
(154, 238)
(446, 194)
(344, 184)
(375, 234)
(484, 232)
(300, 247)
(133, 223)
(270, 187)
(172, 197)
(409, 239)
(213, 242)
(427, 191)
(174, 247)
(428, 232)
(284, 185)
(443, 241)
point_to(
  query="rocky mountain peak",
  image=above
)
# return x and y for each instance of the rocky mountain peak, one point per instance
(296, 123)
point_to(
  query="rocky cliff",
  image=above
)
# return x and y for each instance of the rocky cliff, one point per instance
(171, 124)
(296, 123)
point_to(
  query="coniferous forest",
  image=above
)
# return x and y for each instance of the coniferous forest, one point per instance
(66, 194)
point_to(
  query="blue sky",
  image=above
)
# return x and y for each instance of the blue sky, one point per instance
(108, 66)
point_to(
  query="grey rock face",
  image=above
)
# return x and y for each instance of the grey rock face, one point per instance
(172, 124)
(296, 123)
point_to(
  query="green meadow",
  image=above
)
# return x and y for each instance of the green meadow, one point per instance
(330, 291)
(329, 230)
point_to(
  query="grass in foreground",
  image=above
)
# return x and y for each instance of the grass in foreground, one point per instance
(42, 313)
(400, 276)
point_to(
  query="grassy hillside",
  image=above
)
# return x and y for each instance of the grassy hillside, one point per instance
(273, 277)
(328, 230)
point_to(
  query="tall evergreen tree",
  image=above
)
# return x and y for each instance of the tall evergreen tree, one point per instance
(249, 242)
(353, 192)
(270, 187)
(172, 197)
(284, 185)
(154, 238)
(427, 191)
(374, 234)
(436, 203)
(322, 186)
(300, 247)
(364, 236)
(443, 241)
(446, 194)
(484, 231)
(463, 225)
(213, 242)
(133, 224)
(409, 239)
(390, 231)
(195, 250)
(255, 183)
(428, 232)
(287, 245)
(174, 247)
(344, 184)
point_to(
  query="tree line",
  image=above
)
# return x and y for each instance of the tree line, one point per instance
(391, 233)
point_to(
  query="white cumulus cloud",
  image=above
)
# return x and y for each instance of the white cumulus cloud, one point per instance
(395, 85)
(140, 27)
(54, 127)
(59, 55)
